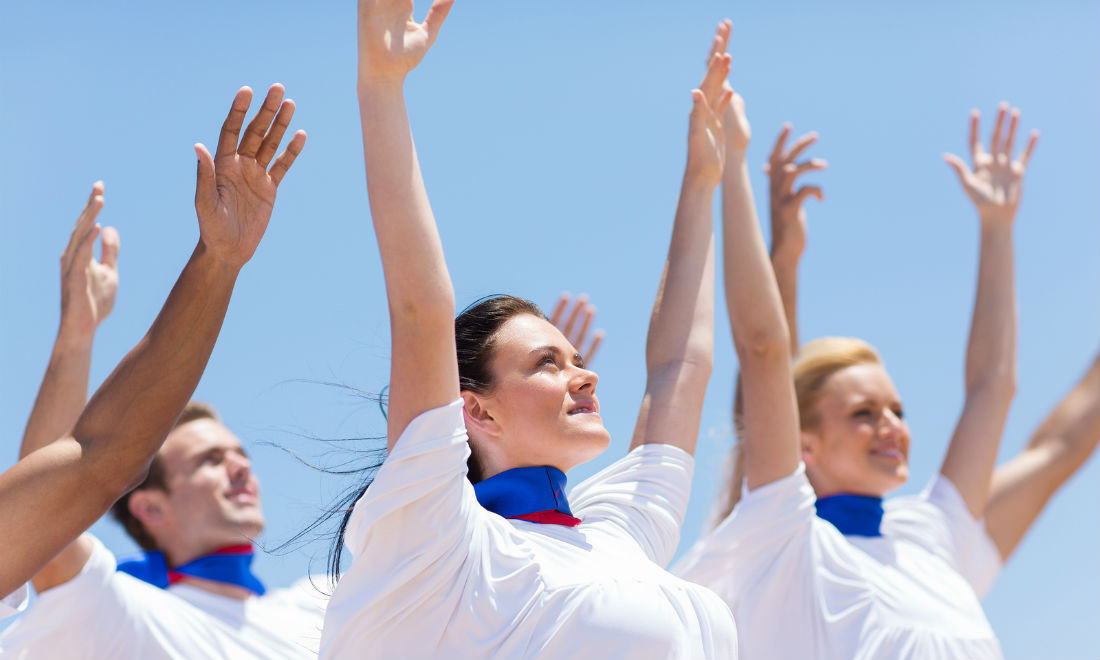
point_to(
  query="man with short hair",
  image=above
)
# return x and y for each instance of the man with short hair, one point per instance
(192, 593)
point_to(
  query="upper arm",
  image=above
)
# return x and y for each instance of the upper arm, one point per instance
(49, 498)
(770, 420)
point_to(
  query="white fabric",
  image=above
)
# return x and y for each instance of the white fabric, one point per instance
(800, 589)
(436, 575)
(102, 613)
(13, 602)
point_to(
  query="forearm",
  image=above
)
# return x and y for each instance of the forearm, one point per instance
(417, 282)
(991, 350)
(785, 267)
(680, 343)
(990, 371)
(770, 420)
(423, 366)
(63, 391)
(752, 297)
(130, 414)
(681, 327)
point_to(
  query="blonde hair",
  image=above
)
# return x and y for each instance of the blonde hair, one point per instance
(814, 363)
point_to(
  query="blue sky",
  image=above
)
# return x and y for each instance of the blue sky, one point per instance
(552, 140)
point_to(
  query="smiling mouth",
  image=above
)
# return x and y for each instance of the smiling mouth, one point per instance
(889, 453)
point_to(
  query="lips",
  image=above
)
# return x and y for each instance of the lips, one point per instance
(889, 452)
(242, 495)
(584, 407)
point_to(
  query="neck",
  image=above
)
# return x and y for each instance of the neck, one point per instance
(218, 588)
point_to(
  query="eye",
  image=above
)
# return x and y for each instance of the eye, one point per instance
(899, 413)
(862, 413)
(211, 459)
(547, 360)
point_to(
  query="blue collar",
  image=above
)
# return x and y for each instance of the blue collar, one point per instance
(232, 565)
(524, 491)
(857, 515)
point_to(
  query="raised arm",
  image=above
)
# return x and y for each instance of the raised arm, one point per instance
(788, 218)
(57, 491)
(994, 186)
(88, 289)
(756, 314)
(680, 344)
(424, 368)
(1057, 449)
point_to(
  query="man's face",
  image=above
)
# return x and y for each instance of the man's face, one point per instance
(212, 498)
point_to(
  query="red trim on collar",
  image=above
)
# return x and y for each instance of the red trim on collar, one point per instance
(549, 517)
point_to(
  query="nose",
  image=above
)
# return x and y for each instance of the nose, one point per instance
(890, 424)
(585, 381)
(240, 467)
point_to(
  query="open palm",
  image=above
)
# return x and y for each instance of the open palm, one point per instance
(995, 183)
(235, 191)
(88, 286)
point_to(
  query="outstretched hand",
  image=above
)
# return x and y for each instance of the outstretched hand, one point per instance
(391, 43)
(995, 183)
(88, 287)
(788, 218)
(235, 190)
(735, 124)
(567, 323)
(706, 143)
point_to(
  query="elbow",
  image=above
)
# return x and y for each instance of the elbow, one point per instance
(424, 311)
(763, 345)
(999, 386)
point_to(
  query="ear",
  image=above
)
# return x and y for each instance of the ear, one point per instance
(477, 415)
(808, 442)
(149, 506)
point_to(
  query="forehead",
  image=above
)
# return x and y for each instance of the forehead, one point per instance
(195, 438)
(859, 382)
(524, 333)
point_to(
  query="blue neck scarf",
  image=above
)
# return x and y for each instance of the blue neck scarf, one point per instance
(536, 494)
(231, 565)
(857, 515)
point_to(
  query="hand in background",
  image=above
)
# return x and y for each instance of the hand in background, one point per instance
(567, 323)
(88, 287)
(788, 218)
(995, 183)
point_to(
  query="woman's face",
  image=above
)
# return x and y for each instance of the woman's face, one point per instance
(542, 409)
(860, 443)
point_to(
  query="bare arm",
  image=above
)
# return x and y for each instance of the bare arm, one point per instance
(680, 343)
(994, 186)
(88, 289)
(788, 218)
(1058, 448)
(756, 314)
(72, 481)
(424, 368)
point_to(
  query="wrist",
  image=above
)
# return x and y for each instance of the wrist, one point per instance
(701, 182)
(373, 85)
(996, 217)
(785, 255)
(217, 265)
(73, 337)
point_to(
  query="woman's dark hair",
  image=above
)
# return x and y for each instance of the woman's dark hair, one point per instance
(476, 330)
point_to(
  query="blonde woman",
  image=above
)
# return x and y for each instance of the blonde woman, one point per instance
(811, 561)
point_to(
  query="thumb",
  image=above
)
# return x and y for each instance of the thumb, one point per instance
(206, 191)
(436, 15)
(109, 248)
(959, 166)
